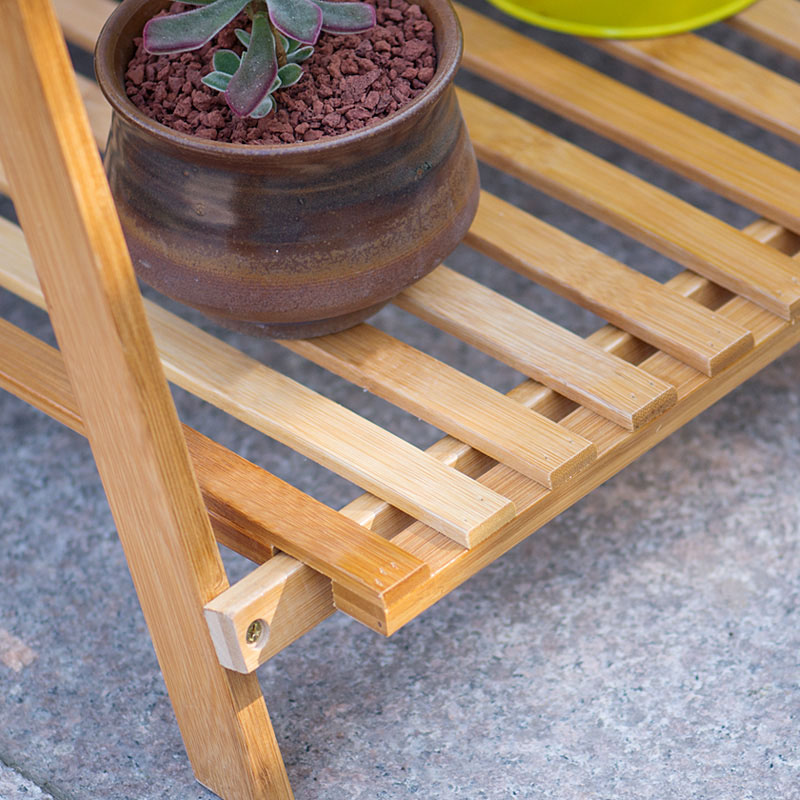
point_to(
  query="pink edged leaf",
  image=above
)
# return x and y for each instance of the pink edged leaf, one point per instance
(189, 30)
(257, 72)
(297, 19)
(346, 17)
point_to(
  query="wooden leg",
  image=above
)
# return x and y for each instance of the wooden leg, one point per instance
(66, 209)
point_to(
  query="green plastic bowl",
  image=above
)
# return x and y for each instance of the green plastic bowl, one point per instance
(621, 19)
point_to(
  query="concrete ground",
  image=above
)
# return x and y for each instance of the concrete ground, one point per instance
(642, 645)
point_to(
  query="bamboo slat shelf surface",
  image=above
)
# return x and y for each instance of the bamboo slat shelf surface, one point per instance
(508, 463)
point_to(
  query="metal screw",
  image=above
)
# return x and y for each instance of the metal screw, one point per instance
(254, 631)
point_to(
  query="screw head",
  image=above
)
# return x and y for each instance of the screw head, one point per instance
(254, 631)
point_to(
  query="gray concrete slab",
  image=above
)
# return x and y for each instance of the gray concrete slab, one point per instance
(642, 645)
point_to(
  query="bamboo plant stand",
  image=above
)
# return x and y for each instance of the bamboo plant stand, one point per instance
(508, 464)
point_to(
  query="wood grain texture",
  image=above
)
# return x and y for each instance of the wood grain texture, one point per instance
(448, 563)
(660, 220)
(254, 511)
(387, 522)
(327, 432)
(287, 597)
(631, 118)
(64, 204)
(775, 22)
(300, 418)
(459, 405)
(537, 347)
(619, 294)
(718, 75)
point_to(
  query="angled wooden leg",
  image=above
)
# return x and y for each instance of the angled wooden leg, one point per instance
(66, 209)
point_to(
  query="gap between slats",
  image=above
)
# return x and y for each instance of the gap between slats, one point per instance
(461, 406)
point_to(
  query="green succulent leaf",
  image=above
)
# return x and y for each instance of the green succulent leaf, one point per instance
(226, 61)
(276, 84)
(190, 30)
(263, 108)
(300, 55)
(289, 74)
(243, 36)
(346, 17)
(257, 72)
(217, 80)
(297, 19)
(286, 44)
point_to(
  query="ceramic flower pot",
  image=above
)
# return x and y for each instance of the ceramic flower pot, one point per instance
(290, 240)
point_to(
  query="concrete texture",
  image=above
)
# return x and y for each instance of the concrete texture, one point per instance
(642, 645)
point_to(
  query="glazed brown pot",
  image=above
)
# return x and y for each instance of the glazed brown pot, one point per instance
(290, 240)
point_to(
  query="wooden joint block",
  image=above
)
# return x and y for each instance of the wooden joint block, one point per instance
(266, 611)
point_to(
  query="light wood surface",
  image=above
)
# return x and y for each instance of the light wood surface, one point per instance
(537, 347)
(719, 75)
(616, 447)
(305, 602)
(310, 423)
(335, 437)
(254, 512)
(459, 405)
(619, 294)
(631, 118)
(775, 22)
(35, 372)
(284, 596)
(658, 219)
(63, 201)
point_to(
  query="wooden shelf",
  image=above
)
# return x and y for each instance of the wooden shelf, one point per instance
(509, 463)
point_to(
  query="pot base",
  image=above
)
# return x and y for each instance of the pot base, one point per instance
(299, 330)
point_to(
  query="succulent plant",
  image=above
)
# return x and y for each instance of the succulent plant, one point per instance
(281, 36)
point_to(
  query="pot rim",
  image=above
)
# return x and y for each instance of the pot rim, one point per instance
(448, 60)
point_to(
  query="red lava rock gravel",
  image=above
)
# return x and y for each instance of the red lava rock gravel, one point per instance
(348, 83)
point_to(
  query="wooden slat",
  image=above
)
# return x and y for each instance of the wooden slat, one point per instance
(669, 225)
(621, 295)
(310, 423)
(537, 347)
(254, 507)
(776, 22)
(62, 198)
(454, 402)
(631, 118)
(719, 75)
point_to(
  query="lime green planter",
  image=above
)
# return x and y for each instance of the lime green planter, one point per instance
(621, 19)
